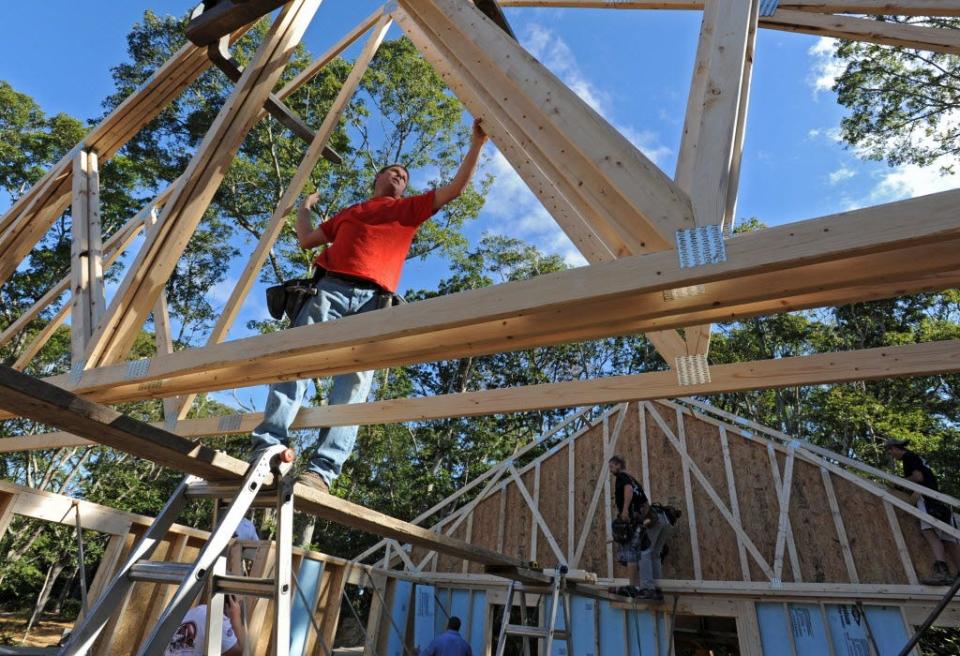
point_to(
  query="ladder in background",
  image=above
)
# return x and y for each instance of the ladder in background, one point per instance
(546, 631)
(210, 568)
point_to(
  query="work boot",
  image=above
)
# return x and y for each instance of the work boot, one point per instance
(649, 594)
(625, 591)
(941, 575)
(315, 481)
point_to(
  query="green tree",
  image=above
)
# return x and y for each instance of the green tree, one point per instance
(903, 102)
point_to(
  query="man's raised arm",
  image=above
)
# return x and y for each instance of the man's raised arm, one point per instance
(446, 193)
(306, 234)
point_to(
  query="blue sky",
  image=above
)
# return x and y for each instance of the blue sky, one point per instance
(633, 66)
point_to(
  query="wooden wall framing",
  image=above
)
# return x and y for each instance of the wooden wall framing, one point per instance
(136, 616)
(762, 511)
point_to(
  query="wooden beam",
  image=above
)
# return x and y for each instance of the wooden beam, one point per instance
(685, 461)
(839, 526)
(533, 312)
(140, 288)
(86, 253)
(31, 397)
(538, 518)
(581, 218)
(559, 197)
(714, 123)
(25, 223)
(902, 549)
(642, 205)
(164, 341)
(734, 500)
(920, 37)
(783, 523)
(883, 7)
(287, 201)
(694, 469)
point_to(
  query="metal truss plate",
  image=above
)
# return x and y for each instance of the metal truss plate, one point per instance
(692, 369)
(768, 7)
(701, 245)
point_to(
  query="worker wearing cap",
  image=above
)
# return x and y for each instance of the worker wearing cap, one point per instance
(944, 545)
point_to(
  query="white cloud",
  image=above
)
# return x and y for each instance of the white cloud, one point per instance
(826, 68)
(516, 212)
(910, 180)
(841, 174)
(554, 53)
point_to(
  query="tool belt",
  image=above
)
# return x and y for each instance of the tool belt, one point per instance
(670, 512)
(289, 297)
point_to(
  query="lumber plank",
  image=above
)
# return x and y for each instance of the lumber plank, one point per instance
(839, 526)
(182, 213)
(507, 314)
(47, 403)
(642, 203)
(681, 443)
(734, 501)
(86, 252)
(888, 7)
(556, 194)
(714, 120)
(897, 361)
(113, 383)
(865, 29)
(25, 223)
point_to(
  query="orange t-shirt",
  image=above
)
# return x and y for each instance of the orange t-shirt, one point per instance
(371, 240)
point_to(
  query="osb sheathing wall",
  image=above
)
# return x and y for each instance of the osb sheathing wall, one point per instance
(505, 521)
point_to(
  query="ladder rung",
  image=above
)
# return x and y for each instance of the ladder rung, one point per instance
(158, 571)
(244, 585)
(266, 496)
(530, 631)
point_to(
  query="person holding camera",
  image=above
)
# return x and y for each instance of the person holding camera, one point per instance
(191, 636)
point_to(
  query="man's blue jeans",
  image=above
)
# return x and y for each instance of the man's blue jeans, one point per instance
(335, 298)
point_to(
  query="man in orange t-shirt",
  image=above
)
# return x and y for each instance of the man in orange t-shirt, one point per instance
(367, 246)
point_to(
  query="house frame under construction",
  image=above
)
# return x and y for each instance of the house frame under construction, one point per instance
(824, 558)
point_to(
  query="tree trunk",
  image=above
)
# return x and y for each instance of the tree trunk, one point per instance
(52, 574)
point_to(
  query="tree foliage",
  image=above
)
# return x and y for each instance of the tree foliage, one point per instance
(402, 112)
(903, 102)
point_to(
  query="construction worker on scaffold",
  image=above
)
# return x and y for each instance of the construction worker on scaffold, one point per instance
(357, 272)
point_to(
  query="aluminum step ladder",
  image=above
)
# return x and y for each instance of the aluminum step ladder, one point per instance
(209, 571)
(547, 632)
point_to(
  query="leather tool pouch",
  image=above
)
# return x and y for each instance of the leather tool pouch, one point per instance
(287, 298)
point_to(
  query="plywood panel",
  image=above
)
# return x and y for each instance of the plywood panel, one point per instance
(756, 492)
(446, 563)
(553, 504)
(486, 520)
(720, 558)
(588, 468)
(518, 520)
(871, 541)
(818, 547)
(666, 482)
(920, 552)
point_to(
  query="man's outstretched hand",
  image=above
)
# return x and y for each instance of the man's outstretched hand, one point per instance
(479, 137)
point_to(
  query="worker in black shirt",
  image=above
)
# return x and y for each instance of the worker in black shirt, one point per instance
(641, 553)
(943, 544)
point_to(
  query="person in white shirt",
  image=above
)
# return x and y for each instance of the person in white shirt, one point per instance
(190, 637)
